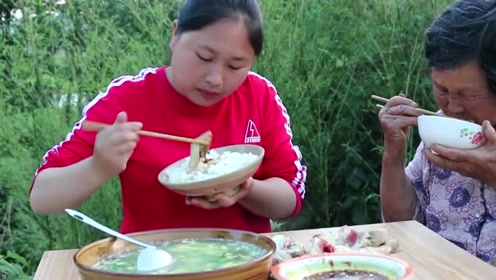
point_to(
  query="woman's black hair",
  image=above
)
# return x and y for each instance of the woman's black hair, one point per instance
(465, 31)
(197, 14)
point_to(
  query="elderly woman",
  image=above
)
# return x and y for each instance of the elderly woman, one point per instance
(452, 192)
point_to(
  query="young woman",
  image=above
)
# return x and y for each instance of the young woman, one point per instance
(207, 86)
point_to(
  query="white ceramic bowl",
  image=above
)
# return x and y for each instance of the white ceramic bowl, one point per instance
(298, 268)
(227, 183)
(449, 132)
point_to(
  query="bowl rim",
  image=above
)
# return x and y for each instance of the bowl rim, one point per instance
(269, 254)
(253, 164)
(450, 119)
(276, 269)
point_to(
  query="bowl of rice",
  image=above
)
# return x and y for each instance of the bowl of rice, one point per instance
(225, 169)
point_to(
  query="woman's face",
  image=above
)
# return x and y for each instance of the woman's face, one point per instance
(462, 93)
(210, 63)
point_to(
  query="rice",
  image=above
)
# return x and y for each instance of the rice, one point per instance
(218, 165)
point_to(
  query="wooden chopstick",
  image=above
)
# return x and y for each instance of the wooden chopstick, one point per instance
(96, 126)
(379, 98)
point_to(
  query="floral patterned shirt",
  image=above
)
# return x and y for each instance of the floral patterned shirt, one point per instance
(459, 208)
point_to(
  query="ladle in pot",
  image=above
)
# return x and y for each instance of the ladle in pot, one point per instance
(149, 259)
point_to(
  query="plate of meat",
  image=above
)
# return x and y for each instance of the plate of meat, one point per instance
(340, 254)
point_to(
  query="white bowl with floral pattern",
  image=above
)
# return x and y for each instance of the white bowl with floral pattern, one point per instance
(450, 132)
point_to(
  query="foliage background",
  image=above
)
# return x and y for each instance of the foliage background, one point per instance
(326, 57)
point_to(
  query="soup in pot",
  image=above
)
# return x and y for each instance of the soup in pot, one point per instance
(191, 255)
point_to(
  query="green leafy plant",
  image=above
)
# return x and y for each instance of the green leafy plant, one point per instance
(11, 267)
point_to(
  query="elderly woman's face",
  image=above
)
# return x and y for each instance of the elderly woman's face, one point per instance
(462, 93)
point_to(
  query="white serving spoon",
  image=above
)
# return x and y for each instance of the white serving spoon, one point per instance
(149, 259)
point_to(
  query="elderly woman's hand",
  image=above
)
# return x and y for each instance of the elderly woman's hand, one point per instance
(478, 163)
(396, 117)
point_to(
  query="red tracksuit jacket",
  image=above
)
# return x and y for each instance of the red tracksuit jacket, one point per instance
(253, 114)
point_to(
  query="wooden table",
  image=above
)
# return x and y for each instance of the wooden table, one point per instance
(432, 256)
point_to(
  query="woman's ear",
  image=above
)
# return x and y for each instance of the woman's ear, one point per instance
(173, 40)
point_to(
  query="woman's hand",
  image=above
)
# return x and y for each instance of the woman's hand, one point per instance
(115, 144)
(396, 117)
(222, 200)
(398, 199)
(478, 163)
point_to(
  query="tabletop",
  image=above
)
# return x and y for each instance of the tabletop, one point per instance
(431, 256)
